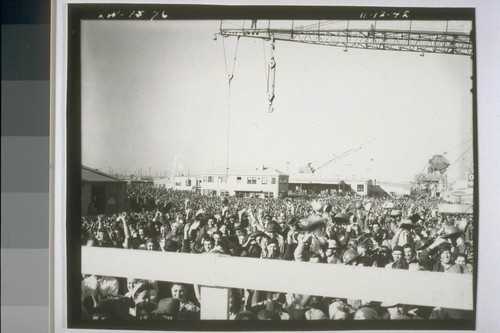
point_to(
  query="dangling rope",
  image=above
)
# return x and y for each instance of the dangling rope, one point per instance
(229, 78)
(265, 62)
(271, 77)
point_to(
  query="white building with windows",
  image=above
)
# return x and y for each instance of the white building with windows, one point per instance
(166, 182)
(265, 182)
(318, 184)
(187, 183)
(360, 187)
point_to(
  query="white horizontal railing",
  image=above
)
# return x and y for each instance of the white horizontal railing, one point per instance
(354, 282)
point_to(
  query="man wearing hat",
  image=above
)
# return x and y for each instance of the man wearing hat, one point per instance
(168, 309)
(272, 231)
(402, 234)
(333, 252)
(394, 311)
(272, 250)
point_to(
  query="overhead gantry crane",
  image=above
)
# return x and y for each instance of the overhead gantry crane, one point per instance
(445, 37)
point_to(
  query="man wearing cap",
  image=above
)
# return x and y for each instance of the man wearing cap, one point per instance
(397, 256)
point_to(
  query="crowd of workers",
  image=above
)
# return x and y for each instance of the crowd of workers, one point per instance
(405, 233)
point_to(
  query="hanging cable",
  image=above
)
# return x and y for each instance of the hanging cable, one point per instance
(446, 152)
(228, 127)
(229, 76)
(224, 50)
(265, 62)
(271, 75)
(460, 156)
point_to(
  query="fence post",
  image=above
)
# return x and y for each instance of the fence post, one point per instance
(214, 303)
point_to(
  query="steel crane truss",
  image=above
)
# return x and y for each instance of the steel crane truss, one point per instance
(411, 41)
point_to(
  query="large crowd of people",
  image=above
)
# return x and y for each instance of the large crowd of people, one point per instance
(400, 233)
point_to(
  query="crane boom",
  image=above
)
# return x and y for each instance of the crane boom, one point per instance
(338, 157)
(411, 40)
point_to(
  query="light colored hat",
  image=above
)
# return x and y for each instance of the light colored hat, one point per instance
(315, 314)
(332, 244)
(396, 212)
(366, 314)
(316, 205)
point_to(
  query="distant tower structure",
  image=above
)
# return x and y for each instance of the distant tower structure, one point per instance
(438, 165)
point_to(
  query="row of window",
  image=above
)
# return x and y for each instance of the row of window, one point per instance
(263, 180)
(249, 180)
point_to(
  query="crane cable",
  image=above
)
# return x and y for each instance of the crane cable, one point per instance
(229, 78)
(457, 159)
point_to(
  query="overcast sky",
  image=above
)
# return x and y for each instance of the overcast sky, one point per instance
(155, 94)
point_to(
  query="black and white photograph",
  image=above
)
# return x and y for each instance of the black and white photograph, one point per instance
(312, 164)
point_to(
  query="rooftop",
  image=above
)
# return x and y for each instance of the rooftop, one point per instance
(94, 175)
(265, 171)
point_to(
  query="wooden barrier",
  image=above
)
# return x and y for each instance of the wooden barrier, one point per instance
(355, 282)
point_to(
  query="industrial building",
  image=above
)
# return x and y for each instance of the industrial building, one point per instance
(310, 183)
(264, 182)
(102, 193)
